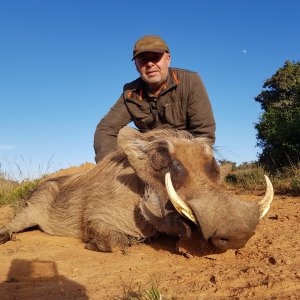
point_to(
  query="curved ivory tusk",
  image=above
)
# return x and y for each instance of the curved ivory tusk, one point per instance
(177, 202)
(265, 203)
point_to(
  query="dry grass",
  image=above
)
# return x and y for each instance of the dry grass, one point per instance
(135, 291)
(14, 193)
(18, 179)
(285, 181)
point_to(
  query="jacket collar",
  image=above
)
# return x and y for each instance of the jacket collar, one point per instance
(172, 81)
(139, 87)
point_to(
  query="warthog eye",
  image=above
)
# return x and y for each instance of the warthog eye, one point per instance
(178, 172)
(160, 159)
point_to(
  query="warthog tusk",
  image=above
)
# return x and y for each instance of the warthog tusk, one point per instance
(265, 203)
(177, 202)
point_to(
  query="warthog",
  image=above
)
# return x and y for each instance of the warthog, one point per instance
(163, 181)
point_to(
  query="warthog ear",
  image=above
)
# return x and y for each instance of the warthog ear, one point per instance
(127, 133)
(134, 148)
(150, 159)
(133, 144)
(130, 141)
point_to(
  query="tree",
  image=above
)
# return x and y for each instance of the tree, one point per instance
(279, 125)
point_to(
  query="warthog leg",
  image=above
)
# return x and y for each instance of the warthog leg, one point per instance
(4, 236)
(104, 238)
(35, 212)
(20, 222)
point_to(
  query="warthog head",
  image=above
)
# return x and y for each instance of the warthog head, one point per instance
(179, 169)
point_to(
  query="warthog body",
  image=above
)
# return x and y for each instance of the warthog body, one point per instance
(124, 197)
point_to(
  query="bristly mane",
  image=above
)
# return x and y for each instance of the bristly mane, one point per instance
(166, 133)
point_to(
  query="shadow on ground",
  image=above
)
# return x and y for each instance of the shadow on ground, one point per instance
(39, 279)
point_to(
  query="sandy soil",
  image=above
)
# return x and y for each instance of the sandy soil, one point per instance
(39, 266)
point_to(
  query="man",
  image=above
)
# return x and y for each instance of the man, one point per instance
(161, 97)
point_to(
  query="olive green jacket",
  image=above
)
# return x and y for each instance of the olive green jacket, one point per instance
(183, 104)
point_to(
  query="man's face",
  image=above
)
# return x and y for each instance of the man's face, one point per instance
(153, 68)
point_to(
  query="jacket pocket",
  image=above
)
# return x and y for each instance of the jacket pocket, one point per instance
(174, 113)
(140, 113)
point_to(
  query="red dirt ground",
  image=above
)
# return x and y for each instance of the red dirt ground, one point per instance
(40, 266)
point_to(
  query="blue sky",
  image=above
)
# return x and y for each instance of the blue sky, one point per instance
(63, 65)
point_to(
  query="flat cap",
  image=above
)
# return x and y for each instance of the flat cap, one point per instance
(150, 43)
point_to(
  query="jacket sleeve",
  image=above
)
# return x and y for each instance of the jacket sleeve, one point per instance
(201, 122)
(105, 138)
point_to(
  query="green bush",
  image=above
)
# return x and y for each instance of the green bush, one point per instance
(137, 292)
(278, 129)
(13, 193)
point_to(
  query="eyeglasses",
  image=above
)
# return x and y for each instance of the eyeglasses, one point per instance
(143, 59)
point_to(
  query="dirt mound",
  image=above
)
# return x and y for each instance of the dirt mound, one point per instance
(39, 266)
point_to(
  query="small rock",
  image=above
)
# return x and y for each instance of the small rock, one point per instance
(272, 260)
(213, 279)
